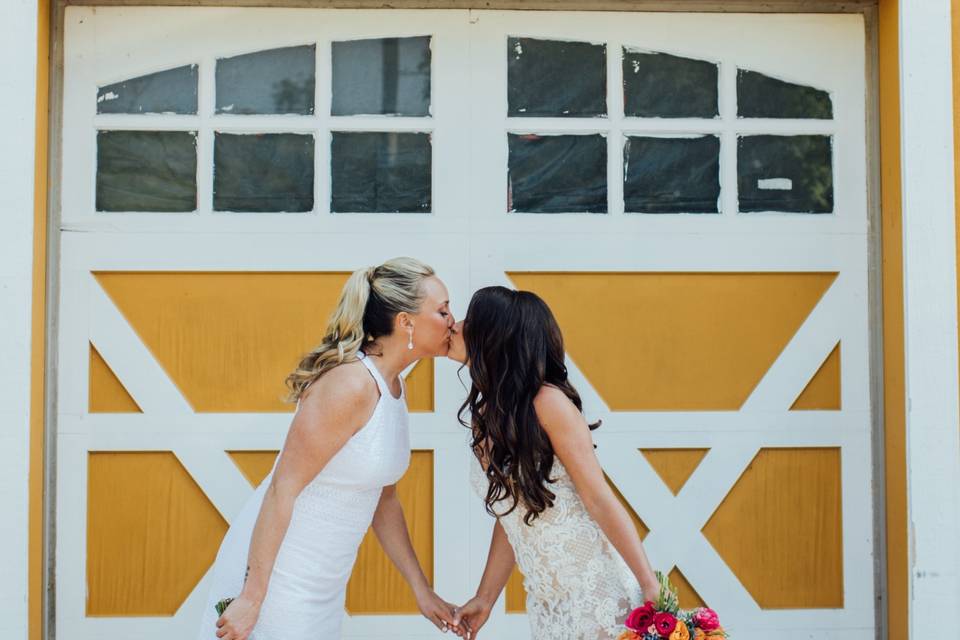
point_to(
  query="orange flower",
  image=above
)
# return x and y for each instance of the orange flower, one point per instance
(680, 632)
(699, 634)
(717, 633)
(628, 635)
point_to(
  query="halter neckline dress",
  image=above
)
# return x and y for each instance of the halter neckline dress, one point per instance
(307, 589)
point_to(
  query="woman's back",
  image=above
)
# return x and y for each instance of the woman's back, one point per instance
(578, 587)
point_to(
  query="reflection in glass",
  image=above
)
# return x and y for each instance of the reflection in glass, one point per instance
(146, 171)
(659, 85)
(386, 76)
(760, 96)
(556, 78)
(671, 175)
(263, 172)
(170, 91)
(268, 82)
(557, 174)
(785, 173)
(380, 172)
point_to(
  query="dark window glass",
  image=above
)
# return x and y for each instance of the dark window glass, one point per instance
(146, 171)
(760, 96)
(556, 78)
(170, 91)
(671, 175)
(557, 174)
(263, 172)
(267, 82)
(380, 172)
(659, 85)
(785, 173)
(388, 76)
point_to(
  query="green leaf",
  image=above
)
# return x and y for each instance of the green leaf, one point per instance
(667, 600)
(222, 605)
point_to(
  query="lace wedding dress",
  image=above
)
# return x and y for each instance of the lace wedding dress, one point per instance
(578, 587)
(306, 592)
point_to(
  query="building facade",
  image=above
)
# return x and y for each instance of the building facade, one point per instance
(742, 214)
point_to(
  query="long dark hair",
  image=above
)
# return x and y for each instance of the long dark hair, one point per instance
(514, 347)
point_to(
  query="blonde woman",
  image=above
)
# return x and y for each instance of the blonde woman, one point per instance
(287, 557)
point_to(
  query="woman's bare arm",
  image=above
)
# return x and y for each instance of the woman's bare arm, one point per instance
(570, 437)
(334, 408)
(390, 527)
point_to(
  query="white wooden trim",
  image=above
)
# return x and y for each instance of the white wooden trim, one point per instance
(18, 41)
(930, 297)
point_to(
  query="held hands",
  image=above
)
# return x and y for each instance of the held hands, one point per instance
(438, 611)
(238, 620)
(472, 616)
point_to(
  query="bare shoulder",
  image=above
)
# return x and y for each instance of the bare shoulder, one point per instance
(554, 409)
(346, 389)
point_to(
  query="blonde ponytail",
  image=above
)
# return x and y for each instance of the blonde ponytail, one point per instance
(369, 301)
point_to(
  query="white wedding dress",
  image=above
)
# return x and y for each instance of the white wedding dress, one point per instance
(306, 592)
(578, 587)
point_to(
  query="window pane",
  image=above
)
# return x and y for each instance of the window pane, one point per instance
(760, 96)
(380, 172)
(272, 81)
(387, 76)
(146, 171)
(785, 173)
(170, 91)
(556, 78)
(658, 85)
(557, 174)
(671, 175)
(263, 172)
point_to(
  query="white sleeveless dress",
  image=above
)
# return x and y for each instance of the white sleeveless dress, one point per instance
(578, 587)
(306, 593)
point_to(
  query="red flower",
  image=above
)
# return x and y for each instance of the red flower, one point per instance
(706, 618)
(641, 617)
(664, 623)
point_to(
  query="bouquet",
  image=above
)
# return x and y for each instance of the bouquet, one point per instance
(222, 605)
(665, 620)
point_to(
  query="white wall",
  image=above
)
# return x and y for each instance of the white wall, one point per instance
(18, 46)
(930, 288)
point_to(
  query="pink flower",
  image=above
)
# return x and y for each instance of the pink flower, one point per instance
(706, 618)
(665, 624)
(641, 617)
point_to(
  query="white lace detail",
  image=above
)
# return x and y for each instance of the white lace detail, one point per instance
(578, 587)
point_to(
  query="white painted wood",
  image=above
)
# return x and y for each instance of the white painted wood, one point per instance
(930, 298)
(18, 42)
(472, 242)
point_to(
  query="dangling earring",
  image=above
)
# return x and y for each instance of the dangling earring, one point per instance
(410, 343)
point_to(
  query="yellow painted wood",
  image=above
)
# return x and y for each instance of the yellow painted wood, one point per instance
(106, 393)
(254, 465)
(517, 596)
(37, 564)
(376, 586)
(891, 250)
(637, 522)
(227, 339)
(689, 598)
(685, 341)
(780, 529)
(151, 534)
(419, 387)
(674, 466)
(823, 390)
